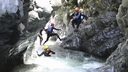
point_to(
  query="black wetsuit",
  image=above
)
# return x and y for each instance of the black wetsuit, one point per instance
(40, 35)
(50, 33)
(77, 20)
(83, 16)
(46, 53)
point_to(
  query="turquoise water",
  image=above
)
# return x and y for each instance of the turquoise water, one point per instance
(63, 61)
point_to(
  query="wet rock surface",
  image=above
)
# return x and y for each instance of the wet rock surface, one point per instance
(118, 59)
(9, 29)
(9, 35)
(12, 45)
(100, 35)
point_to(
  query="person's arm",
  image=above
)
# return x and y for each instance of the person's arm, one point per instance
(44, 29)
(52, 52)
(56, 28)
(40, 54)
(85, 17)
(71, 17)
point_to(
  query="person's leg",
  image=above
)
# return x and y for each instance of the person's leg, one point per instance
(78, 23)
(73, 22)
(40, 39)
(48, 36)
(55, 34)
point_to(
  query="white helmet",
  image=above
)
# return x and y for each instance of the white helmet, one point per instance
(81, 10)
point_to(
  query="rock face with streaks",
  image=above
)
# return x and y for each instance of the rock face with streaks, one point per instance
(119, 58)
(12, 44)
(10, 54)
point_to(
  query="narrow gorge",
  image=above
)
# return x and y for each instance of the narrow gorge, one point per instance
(100, 45)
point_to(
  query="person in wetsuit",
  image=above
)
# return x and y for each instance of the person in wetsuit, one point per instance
(40, 35)
(83, 16)
(77, 17)
(50, 32)
(47, 52)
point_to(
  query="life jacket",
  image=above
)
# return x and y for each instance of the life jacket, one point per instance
(78, 16)
(50, 28)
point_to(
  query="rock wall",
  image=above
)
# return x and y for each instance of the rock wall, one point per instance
(104, 33)
(12, 44)
(11, 6)
(119, 57)
(10, 54)
(122, 17)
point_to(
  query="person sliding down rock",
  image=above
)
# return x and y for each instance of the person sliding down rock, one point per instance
(47, 52)
(50, 32)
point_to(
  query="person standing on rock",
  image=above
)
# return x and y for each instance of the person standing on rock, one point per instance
(50, 32)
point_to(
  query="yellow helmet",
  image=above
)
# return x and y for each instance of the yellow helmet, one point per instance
(46, 47)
